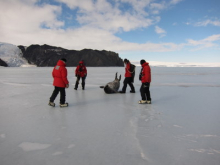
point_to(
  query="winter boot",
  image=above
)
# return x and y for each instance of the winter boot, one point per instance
(148, 101)
(83, 86)
(142, 102)
(52, 104)
(132, 91)
(64, 105)
(76, 86)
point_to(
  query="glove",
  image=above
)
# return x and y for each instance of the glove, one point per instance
(76, 75)
(67, 85)
(145, 85)
(140, 76)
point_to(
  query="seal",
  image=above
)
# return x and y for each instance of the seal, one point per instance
(112, 87)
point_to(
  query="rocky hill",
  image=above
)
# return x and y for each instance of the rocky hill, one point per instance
(3, 63)
(46, 55)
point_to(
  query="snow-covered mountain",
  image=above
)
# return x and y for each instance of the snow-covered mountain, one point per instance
(12, 55)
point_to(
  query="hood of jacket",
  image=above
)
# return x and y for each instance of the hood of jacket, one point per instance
(145, 64)
(61, 63)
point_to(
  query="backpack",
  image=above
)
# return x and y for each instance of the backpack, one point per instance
(132, 71)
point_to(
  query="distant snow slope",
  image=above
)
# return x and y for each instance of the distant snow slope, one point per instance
(178, 64)
(12, 55)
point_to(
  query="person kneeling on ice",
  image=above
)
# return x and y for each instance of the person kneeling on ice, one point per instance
(80, 72)
(145, 78)
(60, 83)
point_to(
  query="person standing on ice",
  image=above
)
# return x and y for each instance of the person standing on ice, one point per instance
(80, 72)
(145, 78)
(60, 83)
(128, 78)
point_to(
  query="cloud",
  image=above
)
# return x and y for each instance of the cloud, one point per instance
(214, 21)
(138, 6)
(105, 15)
(208, 22)
(212, 38)
(160, 31)
(174, 2)
(22, 17)
(208, 42)
(25, 22)
(86, 5)
(156, 8)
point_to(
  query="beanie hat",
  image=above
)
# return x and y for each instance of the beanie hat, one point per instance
(63, 59)
(125, 60)
(81, 62)
(142, 62)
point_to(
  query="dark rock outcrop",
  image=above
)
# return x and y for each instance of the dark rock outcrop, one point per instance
(45, 55)
(3, 63)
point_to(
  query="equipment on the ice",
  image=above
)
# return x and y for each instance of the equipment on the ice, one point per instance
(132, 71)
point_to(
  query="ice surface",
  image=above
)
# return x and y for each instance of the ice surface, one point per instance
(180, 127)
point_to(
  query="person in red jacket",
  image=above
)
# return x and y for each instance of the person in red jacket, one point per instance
(145, 77)
(80, 72)
(60, 83)
(128, 77)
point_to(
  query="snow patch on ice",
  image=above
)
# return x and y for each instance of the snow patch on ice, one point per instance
(177, 126)
(208, 151)
(159, 126)
(2, 136)
(201, 136)
(194, 137)
(57, 153)
(16, 84)
(187, 84)
(46, 85)
(147, 120)
(198, 150)
(27, 146)
(71, 146)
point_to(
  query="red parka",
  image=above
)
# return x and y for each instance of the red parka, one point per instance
(81, 70)
(146, 73)
(60, 75)
(127, 70)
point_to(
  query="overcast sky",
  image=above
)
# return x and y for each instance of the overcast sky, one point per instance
(154, 30)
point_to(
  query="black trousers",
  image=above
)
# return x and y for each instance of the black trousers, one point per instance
(62, 94)
(128, 81)
(145, 91)
(77, 82)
